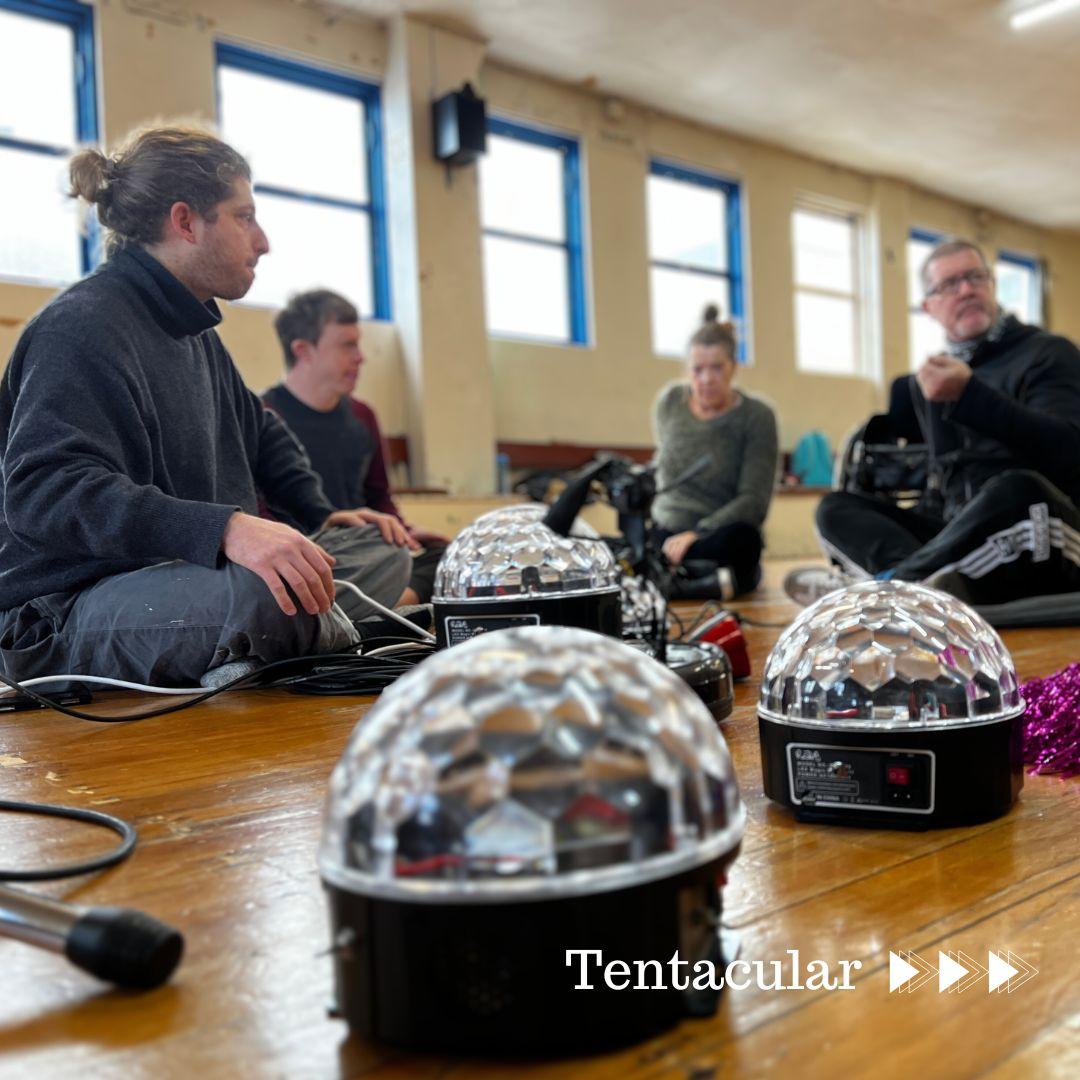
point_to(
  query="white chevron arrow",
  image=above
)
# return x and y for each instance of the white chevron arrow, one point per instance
(908, 971)
(949, 971)
(900, 971)
(975, 971)
(1004, 967)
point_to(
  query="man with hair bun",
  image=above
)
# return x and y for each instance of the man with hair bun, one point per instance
(999, 411)
(133, 454)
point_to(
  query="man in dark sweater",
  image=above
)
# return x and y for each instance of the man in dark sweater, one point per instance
(319, 332)
(130, 541)
(1000, 414)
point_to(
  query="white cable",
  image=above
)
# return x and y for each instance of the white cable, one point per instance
(384, 650)
(107, 682)
(387, 611)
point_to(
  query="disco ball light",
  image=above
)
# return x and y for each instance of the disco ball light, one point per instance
(514, 571)
(890, 703)
(529, 792)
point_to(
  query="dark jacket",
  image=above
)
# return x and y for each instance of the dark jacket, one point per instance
(1020, 410)
(128, 437)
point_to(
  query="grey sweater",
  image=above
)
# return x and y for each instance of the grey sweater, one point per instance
(738, 482)
(128, 437)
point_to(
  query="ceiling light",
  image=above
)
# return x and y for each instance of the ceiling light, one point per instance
(1037, 13)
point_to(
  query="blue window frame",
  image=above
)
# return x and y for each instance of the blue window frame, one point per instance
(534, 258)
(314, 138)
(1020, 286)
(925, 336)
(52, 43)
(695, 253)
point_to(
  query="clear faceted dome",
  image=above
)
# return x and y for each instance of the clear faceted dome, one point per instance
(883, 654)
(518, 555)
(526, 764)
(534, 511)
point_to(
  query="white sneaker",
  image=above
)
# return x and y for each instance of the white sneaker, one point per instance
(808, 584)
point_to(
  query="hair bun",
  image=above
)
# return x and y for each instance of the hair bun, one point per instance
(89, 172)
(711, 313)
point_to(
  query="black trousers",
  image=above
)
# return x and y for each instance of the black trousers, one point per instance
(738, 546)
(1019, 536)
(424, 564)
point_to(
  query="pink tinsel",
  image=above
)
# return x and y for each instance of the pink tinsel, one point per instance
(1052, 722)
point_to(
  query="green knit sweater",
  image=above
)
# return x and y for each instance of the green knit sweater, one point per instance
(738, 482)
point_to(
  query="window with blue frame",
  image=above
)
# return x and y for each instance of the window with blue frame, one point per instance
(831, 331)
(925, 336)
(530, 204)
(47, 108)
(1020, 286)
(314, 142)
(695, 254)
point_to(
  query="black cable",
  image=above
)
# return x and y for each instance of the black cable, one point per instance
(48, 703)
(707, 612)
(378, 672)
(125, 830)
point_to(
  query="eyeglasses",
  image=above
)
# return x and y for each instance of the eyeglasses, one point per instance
(951, 285)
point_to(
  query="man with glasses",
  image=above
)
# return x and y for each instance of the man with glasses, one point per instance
(999, 412)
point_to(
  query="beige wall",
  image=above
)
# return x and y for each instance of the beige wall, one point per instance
(603, 392)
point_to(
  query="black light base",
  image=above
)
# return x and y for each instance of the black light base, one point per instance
(706, 669)
(493, 979)
(458, 620)
(902, 779)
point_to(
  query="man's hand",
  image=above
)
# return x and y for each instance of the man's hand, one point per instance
(675, 547)
(393, 532)
(280, 555)
(943, 378)
(426, 537)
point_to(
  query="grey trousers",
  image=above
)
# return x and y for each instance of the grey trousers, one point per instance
(169, 624)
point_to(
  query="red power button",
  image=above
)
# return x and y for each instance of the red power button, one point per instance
(900, 775)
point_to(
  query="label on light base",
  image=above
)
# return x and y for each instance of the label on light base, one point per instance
(893, 779)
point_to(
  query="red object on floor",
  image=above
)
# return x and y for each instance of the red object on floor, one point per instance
(723, 629)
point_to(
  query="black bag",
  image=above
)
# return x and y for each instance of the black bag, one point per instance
(877, 463)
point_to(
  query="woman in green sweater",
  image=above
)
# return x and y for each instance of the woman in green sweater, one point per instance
(710, 525)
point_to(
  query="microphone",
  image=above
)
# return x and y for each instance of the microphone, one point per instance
(564, 510)
(118, 945)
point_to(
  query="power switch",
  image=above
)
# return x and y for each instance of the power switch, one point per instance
(898, 775)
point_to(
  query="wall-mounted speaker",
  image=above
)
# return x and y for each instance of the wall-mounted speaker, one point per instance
(459, 126)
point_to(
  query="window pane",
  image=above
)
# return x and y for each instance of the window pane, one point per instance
(925, 338)
(917, 251)
(824, 251)
(825, 333)
(41, 241)
(295, 136)
(313, 246)
(1018, 291)
(687, 223)
(521, 189)
(678, 300)
(526, 289)
(37, 80)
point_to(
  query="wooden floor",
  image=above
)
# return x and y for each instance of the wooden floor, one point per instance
(228, 800)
